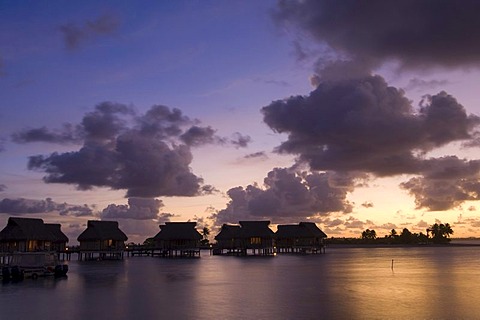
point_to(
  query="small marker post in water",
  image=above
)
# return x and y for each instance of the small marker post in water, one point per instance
(392, 264)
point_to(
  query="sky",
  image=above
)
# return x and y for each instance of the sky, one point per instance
(349, 114)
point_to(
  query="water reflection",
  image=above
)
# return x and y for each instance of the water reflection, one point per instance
(355, 283)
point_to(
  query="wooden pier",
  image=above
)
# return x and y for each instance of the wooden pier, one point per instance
(301, 249)
(164, 253)
(243, 252)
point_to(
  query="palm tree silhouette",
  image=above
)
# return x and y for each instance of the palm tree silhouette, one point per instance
(440, 232)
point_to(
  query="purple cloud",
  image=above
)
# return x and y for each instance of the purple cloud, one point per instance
(75, 35)
(286, 195)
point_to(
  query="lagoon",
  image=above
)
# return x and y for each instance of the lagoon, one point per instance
(344, 283)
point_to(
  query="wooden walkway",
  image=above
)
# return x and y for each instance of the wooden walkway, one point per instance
(164, 253)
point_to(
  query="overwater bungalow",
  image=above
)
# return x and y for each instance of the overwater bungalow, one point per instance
(304, 237)
(60, 241)
(257, 237)
(228, 240)
(178, 239)
(31, 234)
(102, 240)
(251, 237)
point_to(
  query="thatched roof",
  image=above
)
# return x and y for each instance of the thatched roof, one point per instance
(313, 229)
(301, 230)
(102, 230)
(26, 229)
(178, 231)
(56, 230)
(228, 232)
(255, 229)
(291, 231)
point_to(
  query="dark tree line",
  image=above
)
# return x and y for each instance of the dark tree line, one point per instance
(437, 233)
(440, 233)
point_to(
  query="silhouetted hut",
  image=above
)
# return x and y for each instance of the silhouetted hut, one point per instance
(30, 234)
(103, 238)
(257, 237)
(178, 239)
(300, 238)
(228, 240)
(60, 242)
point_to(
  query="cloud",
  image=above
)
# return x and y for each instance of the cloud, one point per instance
(445, 183)
(421, 85)
(28, 206)
(367, 204)
(334, 223)
(422, 224)
(75, 35)
(353, 121)
(240, 141)
(2, 187)
(362, 124)
(143, 154)
(256, 155)
(106, 122)
(137, 208)
(68, 134)
(387, 226)
(286, 195)
(196, 136)
(416, 33)
(354, 223)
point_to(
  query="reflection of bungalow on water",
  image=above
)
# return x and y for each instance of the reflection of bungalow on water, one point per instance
(251, 237)
(178, 239)
(30, 234)
(102, 240)
(304, 237)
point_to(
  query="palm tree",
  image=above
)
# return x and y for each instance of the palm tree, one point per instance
(441, 232)
(205, 234)
(369, 234)
(393, 233)
(446, 230)
(406, 236)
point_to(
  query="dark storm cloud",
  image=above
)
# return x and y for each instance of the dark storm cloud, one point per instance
(148, 155)
(362, 124)
(75, 35)
(137, 208)
(445, 183)
(414, 32)
(287, 194)
(68, 134)
(28, 206)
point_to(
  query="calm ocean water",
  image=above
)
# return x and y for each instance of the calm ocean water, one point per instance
(344, 283)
